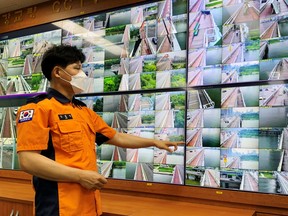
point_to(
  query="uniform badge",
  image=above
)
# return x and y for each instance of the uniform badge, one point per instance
(26, 115)
(65, 116)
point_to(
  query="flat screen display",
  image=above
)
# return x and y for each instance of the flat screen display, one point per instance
(210, 73)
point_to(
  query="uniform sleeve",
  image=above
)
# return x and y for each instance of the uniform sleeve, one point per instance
(32, 128)
(103, 131)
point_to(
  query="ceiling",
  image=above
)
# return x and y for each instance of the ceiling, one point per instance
(11, 5)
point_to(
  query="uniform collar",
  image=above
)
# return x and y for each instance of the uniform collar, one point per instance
(57, 95)
(62, 99)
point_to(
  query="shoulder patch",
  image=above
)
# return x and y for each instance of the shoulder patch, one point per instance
(26, 115)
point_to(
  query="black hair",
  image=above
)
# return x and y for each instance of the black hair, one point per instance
(60, 55)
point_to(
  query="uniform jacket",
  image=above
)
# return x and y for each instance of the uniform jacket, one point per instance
(64, 131)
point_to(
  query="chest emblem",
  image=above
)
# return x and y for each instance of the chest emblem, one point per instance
(65, 116)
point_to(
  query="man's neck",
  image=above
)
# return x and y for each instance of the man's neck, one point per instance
(67, 92)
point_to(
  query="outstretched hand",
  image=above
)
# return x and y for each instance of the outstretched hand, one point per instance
(168, 145)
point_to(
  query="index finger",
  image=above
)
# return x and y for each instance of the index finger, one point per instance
(179, 143)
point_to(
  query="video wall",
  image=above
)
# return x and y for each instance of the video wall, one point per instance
(210, 73)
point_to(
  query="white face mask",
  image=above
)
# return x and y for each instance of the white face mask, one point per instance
(79, 81)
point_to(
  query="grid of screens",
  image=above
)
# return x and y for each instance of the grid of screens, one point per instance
(136, 48)
(151, 115)
(8, 156)
(20, 62)
(236, 134)
(210, 73)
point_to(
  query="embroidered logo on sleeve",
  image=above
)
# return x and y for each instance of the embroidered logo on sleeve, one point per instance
(26, 115)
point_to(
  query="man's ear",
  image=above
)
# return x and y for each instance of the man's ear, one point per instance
(55, 71)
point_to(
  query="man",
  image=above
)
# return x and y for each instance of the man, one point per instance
(56, 136)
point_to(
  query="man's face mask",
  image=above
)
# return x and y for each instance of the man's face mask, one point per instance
(79, 81)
